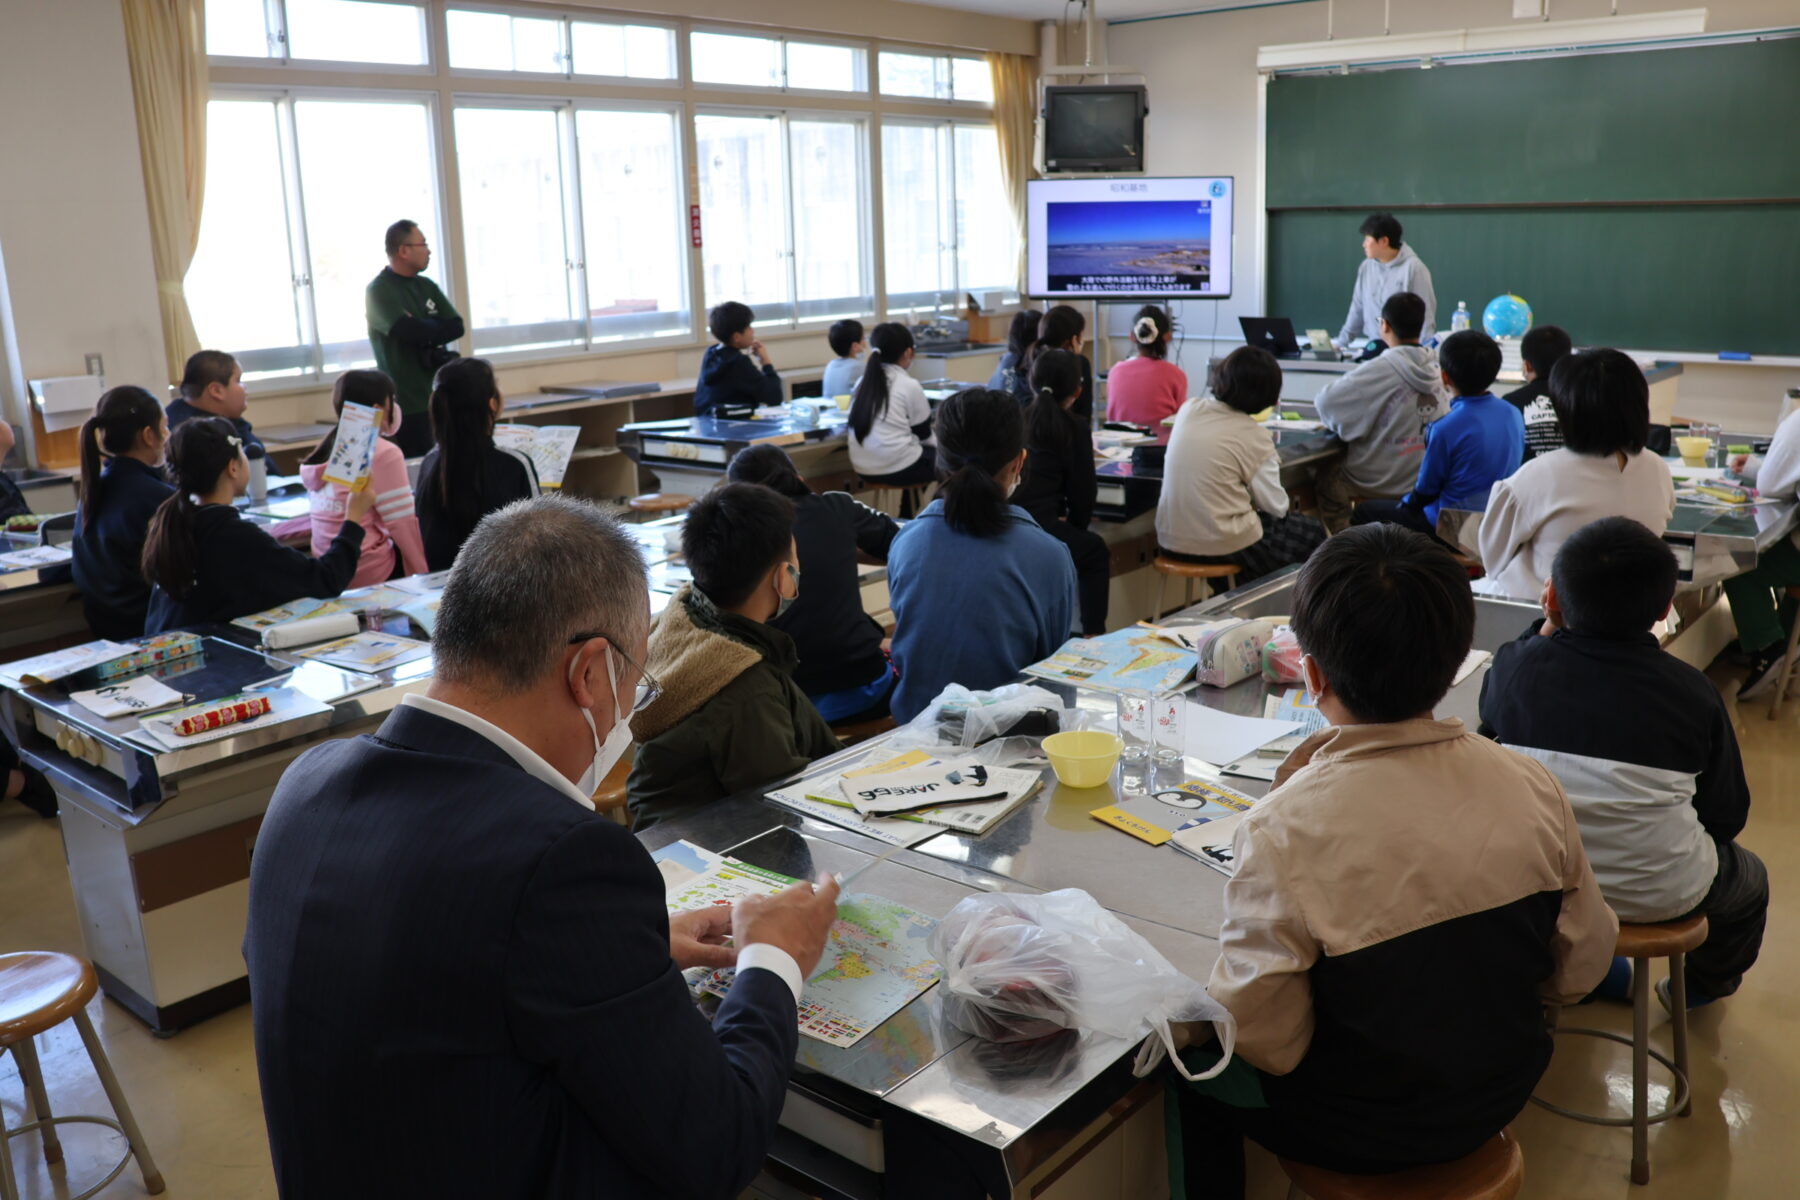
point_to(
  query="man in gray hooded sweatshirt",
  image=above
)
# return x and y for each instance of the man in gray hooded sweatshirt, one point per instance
(1388, 267)
(1380, 409)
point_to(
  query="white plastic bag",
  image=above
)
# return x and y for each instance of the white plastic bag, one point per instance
(1018, 967)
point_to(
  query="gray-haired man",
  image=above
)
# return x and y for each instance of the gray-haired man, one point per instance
(444, 933)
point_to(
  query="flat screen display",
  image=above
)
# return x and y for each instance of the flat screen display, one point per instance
(1129, 238)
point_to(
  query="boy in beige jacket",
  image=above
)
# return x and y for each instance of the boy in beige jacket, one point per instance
(1406, 900)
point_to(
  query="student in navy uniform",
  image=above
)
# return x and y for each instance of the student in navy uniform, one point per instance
(979, 591)
(1542, 347)
(843, 665)
(465, 476)
(206, 563)
(1059, 487)
(736, 376)
(1062, 327)
(212, 385)
(1019, 337)
(1644, 745)
(122, 486)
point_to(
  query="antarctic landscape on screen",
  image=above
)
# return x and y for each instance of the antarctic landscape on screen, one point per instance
(1112, 245)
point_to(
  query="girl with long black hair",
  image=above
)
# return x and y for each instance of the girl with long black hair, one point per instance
(979, 590)
(890, 419)
(206, 563)
(1059, 487)
(466, 476)
(1019, 337)
(1061, 328)
(122, 486)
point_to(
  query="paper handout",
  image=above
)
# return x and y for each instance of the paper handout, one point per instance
(549, 447)
(1215, 736)
(353, 451)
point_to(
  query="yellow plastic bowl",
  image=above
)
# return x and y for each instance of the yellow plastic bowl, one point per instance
(1083, 758)
(1693, 449)
(843, 402)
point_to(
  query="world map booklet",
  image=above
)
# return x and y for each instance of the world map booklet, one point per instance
(874, 964)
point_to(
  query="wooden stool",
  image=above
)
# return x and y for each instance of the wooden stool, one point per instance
(1641, 943)
(1188, 571)
(652, 504)
(1494, 1172)
(862, 731)
(39, 990)
(1787, 667)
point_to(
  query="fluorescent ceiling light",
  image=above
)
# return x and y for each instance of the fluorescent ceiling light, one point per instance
(1498, 39)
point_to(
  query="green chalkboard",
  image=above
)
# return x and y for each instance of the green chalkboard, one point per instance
(1647, 199)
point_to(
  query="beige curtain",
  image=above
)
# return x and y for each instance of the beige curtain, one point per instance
(166, 43)
(1015, 124)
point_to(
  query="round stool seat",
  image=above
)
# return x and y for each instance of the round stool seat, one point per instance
(1188, 570)
(1660, 941)
(40, 989)
(1494, 1172)
(659, 502)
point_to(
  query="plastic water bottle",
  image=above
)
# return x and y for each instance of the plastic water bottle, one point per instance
(1459, 320)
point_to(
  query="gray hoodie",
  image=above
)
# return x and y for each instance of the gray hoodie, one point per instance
(1380, 410)
(1375, 282)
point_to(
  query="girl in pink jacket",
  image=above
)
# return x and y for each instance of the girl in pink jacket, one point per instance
(393, 526)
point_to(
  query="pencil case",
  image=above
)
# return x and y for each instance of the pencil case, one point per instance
(150, 652)
(247, 709)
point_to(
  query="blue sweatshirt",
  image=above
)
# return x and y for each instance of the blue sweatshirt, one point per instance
(110, 527)
(1477, 445)
(731, 380)
(971, 610)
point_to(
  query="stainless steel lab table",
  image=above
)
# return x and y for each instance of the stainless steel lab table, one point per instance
(856, 1110)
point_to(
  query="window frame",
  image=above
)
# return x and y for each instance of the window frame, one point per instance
(566, 18)
(275, 24)
(950, 250)
(945, 55)
(305, 362)
(865, 90)
(788, 314)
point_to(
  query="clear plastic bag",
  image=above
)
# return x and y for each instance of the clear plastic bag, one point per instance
(959, 718)
(1019, 967)
(1281, 657)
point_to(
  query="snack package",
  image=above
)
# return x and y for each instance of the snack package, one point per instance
(1281, 657)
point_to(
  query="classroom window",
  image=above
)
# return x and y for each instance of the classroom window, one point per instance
(384, 32)
(741, 60)
(622, 51)
(822, 67)
(299, 191)
(492, 41)
(948, 229)
(633, 223)
(521, 268)
(782, 209)
(935, 77)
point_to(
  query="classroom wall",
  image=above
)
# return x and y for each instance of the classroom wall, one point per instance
(1203, 120)
(73, 219)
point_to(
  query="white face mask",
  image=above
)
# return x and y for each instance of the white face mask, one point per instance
(606, 753)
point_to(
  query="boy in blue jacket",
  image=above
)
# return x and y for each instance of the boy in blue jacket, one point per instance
(732, 383)
(1480, 442)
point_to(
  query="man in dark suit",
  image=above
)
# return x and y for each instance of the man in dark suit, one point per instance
(464, 979)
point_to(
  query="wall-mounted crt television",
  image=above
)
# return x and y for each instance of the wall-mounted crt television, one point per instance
(1129, 239)
(1094, 128)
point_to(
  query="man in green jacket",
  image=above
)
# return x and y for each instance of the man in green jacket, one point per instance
(411, 322)
(729, 715)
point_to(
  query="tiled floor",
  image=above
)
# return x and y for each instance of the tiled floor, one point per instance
(196, 1095)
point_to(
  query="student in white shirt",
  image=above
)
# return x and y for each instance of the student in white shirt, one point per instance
(890, 419)
(1756, 596)
(1602, 402)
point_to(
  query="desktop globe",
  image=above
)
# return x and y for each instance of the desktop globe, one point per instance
(1506, 316)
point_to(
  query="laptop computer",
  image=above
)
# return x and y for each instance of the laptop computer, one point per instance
(1274, 334)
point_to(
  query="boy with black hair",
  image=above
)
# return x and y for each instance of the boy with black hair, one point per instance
(212, 385)
(1475, 445)
(728, 715)
(1404, 902)
(1380, 410)
(1388, 267)
(1643, 744)
(1541, 349)
(842, 372)
(731, 384)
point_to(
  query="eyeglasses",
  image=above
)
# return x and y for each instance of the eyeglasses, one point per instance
(648, 689)
(417, 245)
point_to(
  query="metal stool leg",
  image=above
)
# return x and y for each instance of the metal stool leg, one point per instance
(33, 1075)
(1640, 1071)
(153, 1180)
(1787, 670)
(1678, 1001)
